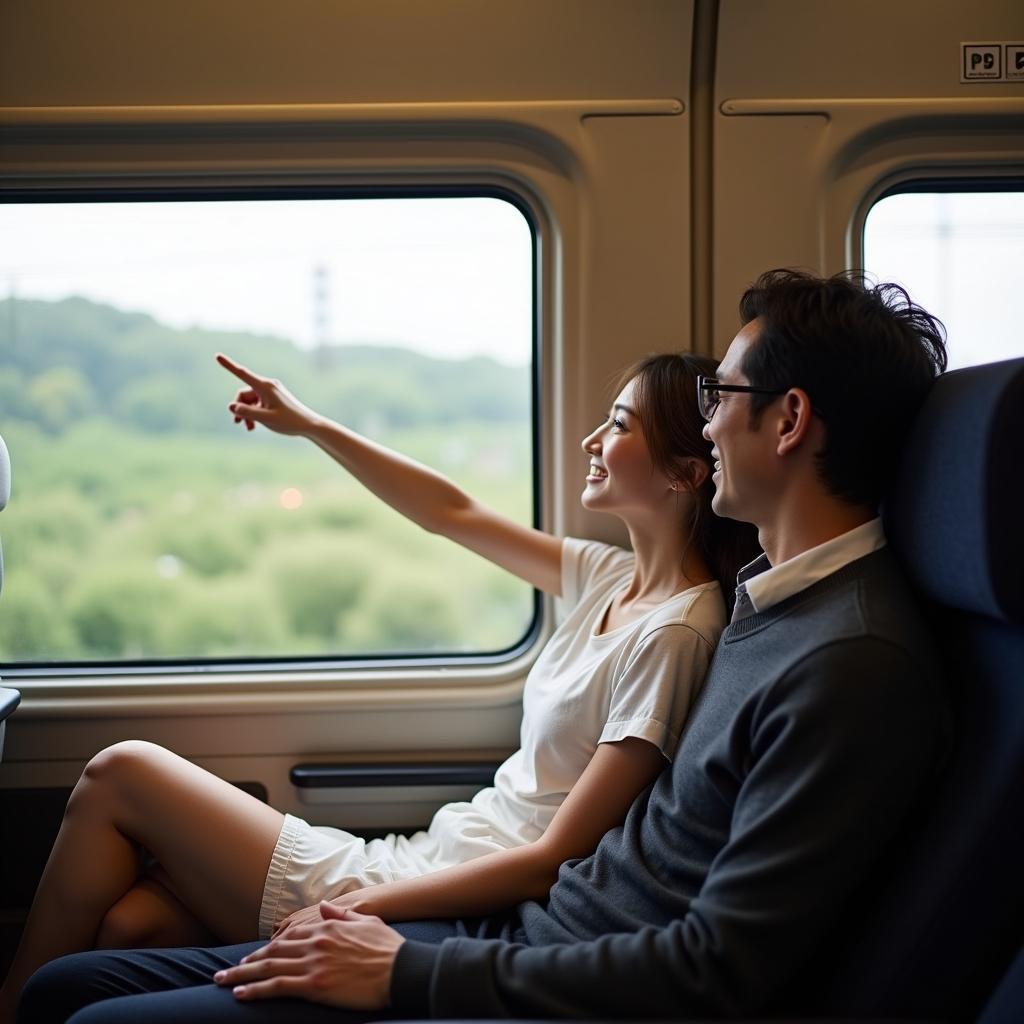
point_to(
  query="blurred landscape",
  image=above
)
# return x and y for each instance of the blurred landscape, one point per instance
(144, 524)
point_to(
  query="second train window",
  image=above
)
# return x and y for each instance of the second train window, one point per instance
(959, 254)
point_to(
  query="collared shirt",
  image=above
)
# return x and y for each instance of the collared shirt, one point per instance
(760, 585)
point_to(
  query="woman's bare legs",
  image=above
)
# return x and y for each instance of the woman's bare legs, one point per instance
(213, 844)
(150, 916)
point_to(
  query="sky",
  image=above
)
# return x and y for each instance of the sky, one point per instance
(960, 255)
(450, 277)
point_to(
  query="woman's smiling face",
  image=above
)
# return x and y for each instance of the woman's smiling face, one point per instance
(621, 475)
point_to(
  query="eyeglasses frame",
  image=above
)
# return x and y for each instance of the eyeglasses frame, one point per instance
(713, 384)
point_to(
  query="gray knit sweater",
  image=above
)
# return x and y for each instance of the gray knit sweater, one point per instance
(820, 724)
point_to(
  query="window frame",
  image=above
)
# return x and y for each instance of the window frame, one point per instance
(359, 668)
(960, 179)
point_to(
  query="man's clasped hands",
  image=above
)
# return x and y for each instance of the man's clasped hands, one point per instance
(344, 958)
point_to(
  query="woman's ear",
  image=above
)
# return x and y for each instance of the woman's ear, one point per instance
(690, 475)
(701, 471)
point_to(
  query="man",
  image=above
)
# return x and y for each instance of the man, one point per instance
(822, 720)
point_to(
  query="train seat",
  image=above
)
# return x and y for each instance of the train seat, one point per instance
(951, 917)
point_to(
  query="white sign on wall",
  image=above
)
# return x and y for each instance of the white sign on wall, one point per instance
(1013, 62)
(992, 62)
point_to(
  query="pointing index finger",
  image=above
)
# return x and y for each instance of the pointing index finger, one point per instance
(241, 372)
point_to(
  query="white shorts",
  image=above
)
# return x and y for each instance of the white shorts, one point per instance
(311, 863)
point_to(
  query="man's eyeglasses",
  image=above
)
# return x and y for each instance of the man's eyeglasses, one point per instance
(709, 394)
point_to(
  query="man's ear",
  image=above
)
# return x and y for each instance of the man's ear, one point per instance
(793, 424)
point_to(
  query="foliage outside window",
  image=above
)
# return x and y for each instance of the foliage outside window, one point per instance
(145, 525)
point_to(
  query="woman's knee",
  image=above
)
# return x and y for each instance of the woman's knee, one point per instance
(124, 926)
(124, 760)
(116, 768)
(147, 916)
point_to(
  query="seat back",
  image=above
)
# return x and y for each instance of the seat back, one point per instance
(1007, 1001)
(949, 918)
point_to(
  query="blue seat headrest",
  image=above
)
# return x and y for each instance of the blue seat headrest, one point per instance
(954, 515)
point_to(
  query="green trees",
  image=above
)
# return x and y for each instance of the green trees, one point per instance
(145, 525)
(65, 360)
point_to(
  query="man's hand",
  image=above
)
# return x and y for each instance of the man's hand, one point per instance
(344, 960)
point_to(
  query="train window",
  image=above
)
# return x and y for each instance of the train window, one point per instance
(958, 254)
(149, 529)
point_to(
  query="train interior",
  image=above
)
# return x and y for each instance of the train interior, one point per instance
(619, 172)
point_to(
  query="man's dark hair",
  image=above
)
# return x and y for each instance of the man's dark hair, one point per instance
(864, 353)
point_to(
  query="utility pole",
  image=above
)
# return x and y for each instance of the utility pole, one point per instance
(12, 314)
(322, 354)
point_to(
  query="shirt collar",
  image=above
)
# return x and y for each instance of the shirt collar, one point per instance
(766, 585)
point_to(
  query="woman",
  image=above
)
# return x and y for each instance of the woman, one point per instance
(154, 851)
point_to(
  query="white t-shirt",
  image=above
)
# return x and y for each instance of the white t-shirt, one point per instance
(640, 680)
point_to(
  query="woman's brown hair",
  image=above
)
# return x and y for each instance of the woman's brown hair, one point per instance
(665, 401)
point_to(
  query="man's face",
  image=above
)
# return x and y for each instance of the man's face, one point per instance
(745, 457)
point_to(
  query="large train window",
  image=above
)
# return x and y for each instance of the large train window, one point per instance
(959, 255)
(148, 529)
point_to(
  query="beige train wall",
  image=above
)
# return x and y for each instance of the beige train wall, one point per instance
(667, 150)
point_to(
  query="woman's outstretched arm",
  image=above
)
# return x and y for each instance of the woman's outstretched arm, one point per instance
(418, 492)
(617, 773)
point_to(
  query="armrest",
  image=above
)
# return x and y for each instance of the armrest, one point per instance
(9, 700)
